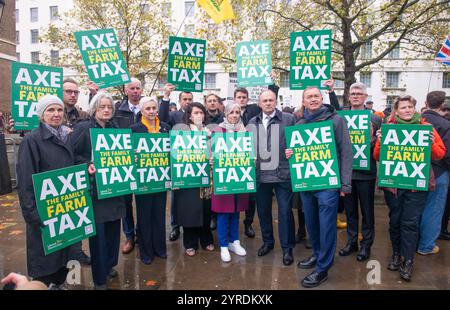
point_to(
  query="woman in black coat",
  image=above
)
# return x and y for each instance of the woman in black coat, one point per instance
(47, 147)
(104, 246)
(151, 208)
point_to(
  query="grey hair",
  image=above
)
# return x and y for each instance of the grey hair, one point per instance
(230, 106)
(359, 85)
(132, 80)
(95, 102)
(145, 100)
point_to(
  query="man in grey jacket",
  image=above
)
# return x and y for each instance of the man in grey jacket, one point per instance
(320, 207)
(272, 173)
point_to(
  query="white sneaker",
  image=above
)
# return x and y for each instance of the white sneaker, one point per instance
(225, 254)
(236, 247)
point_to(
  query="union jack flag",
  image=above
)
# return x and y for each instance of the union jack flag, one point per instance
(443, 55)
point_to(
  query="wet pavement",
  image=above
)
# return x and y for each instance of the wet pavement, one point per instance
(206, 271)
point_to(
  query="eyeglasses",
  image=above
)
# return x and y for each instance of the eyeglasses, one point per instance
(357, 94)
(70, 92)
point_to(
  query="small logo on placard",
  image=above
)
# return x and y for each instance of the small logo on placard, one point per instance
(133, 185)
(88, 229)
(333, 180)
(205, 180)
(363, 163)
(250, 186)
(420, 183)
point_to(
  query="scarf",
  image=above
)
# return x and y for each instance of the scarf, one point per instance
(232, 127)
(205, 192)
(61, 133)
(415, 120)
(313, 117)
(149, 127)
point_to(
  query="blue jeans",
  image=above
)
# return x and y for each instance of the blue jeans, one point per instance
(320, 208)
(430, 223)
(227, 228)
(128, 220)
(286, 229)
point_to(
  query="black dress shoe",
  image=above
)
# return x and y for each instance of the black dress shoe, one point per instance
(364, 254)
(315, 279)
(307, 263)
(83, 258)
(264, 250)
(287, 257)
(174, 234)
(249, 232)
(444, 235)
(395, 262)
(406, 270)
(348, 249)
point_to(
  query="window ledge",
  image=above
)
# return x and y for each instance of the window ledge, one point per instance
(393, 88)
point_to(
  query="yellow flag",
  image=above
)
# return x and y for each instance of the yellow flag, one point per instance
(218, 10)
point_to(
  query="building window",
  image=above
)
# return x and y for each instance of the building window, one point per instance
(366, 50)
(34, 17)
(17, 15)
(34, 36)
(284, 79)
(366, 78)
(447, 100)
(446, 80)
(17, 37)
(54, 12)
(18, 56)
(35, 57)
(390, 101)
(166, 9)
(189, 8)
(54, 58)
(189, 31)
(210, 80)
(392, 79)
(233, 77)
(395, 52)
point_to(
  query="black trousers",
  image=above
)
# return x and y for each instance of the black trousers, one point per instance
(446, 214)
(192, 235)
(57, 278)
(104, 247)
(297, 204)
(405, 211)
(362, 196)
(250, 212)
(151, 219)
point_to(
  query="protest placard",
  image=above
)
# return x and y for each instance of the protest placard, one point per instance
(310, 59)
(64, 206)
(254, 63)
(112, 152)
(189, 160)
(313, 164)
(153, 162)
(28, 84)
(405, 153)
(186, 63)
(233, 163)
(358, 123)
(102, 57)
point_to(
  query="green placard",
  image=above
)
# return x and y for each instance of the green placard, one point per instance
(233, 163)
(254, 63)
(189, 160)
(186, 63)
(358, 123)
(112, 152)
(64, 206)
(153, 164)
(310, 59)
(314, 164)
(28, 84)
(405, 152)
(102, 57)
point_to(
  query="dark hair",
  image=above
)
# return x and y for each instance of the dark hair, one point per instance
(240, 90)
(369, 102)
(217, 97)
(435, 99)
(184, 92)
(70, 80)
(190, 107)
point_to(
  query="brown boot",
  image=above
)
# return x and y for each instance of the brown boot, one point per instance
(128, 246)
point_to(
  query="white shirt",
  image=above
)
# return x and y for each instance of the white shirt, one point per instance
(134, 108)
(266, 119)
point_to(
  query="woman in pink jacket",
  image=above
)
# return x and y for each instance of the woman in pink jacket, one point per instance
(228, 207)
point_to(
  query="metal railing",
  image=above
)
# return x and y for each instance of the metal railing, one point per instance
(12, 150)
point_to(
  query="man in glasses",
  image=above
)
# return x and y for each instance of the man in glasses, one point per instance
(363, 188)
(72, 113)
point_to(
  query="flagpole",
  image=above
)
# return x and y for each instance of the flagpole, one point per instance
(167, 53)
